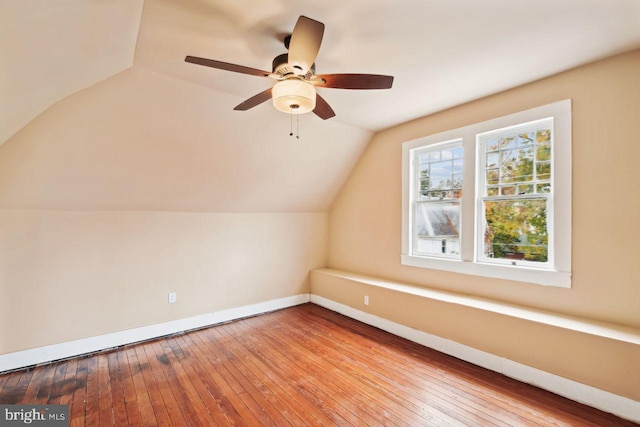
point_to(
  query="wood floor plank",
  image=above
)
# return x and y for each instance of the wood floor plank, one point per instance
(132, 410)
(105, 401)
(31, 392)
(251, 396)
(47, 382)
(309, 390)
(92, 407)
(178, 395)
(262, 379)
(301, 366)
(159, 392)
(117, 390)
(77, 411)
(142, 394)
(278, 381)
(200, 401)
(15, 387)
(3, 380)
(220, 381)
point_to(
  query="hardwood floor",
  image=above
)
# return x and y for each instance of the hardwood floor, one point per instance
(301, 366)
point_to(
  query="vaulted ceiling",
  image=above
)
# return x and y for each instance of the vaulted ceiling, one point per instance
(97, 102)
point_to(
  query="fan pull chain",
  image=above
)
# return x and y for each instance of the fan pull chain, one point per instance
(294, 109)
(291, 124)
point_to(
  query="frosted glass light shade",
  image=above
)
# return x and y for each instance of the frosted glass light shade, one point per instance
(294, 96)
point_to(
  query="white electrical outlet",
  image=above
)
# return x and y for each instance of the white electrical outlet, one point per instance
(172, 297)
(366, 300)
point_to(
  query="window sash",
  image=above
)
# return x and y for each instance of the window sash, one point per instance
(482, 228)
(482, 141)
(419, 199)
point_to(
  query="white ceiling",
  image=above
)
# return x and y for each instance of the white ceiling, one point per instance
(99, 110)
(441, 52)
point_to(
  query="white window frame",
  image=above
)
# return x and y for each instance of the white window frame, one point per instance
(555, 273)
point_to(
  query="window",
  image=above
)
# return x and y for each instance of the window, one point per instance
(514, 221)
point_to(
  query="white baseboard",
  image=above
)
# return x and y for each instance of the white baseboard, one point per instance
(35, 356)
(600, 399)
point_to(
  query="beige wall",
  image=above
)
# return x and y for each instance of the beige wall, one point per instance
(68, 275)
(365, 220)
(365, 233)
(144, 184)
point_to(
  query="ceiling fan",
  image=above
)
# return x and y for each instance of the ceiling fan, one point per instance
(295, 90)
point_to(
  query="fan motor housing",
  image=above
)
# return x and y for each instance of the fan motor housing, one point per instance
(280, 66)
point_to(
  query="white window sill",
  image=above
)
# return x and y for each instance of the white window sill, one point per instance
(516, 273)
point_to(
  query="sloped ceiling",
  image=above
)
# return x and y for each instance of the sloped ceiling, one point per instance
(50, 50)
(100, 110)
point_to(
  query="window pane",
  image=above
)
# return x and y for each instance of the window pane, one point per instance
(493, 177)
(516, 165)
(437, 228)
(543, 135)
(441, 175)
(543, 171)
(516, 229)
(543, 188)
(457, 166)
(457, 181)
(525, 189)
(508, 190)
(524, 139)
(508, 142)
(439, 195)
(492, 160)
(543, 152)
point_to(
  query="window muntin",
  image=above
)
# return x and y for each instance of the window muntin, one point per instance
(515, 195)
(438, 175)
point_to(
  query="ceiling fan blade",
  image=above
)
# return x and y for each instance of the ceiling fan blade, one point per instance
(323, 110)
(353, 81)
(305, 44)
(254, 100)
(227, 66)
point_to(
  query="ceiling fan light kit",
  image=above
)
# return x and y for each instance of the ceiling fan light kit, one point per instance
(295, 91)
(294, 96)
